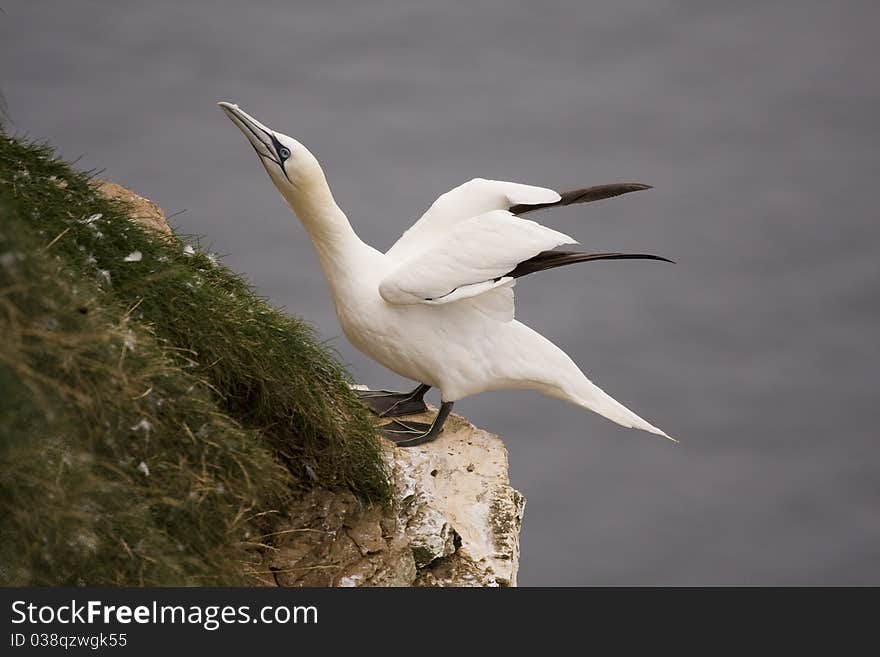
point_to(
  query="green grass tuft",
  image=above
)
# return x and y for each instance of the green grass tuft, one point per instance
(151, 411)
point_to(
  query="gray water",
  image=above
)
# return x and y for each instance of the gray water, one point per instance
(755, 121)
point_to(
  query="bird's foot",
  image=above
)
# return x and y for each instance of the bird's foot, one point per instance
(386, 403)
(409, 434)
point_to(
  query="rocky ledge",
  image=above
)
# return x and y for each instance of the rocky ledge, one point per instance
(454, 521)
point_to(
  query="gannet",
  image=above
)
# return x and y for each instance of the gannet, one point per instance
(438, 306)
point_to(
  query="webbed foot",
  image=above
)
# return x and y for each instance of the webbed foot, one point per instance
(410, 434)
(386, 403)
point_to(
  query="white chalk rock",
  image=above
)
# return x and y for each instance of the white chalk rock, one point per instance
(456, 507)
(454, 521)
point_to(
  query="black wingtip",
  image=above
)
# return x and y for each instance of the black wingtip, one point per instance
(616, 189)
(635, 256)
(553, 259)
(584, 195)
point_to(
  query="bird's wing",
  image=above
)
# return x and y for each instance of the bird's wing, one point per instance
(472, 260)
(475, 197)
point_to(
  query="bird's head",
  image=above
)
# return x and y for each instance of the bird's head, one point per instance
(290, 165)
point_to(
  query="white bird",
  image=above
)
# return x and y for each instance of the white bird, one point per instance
(438, 307)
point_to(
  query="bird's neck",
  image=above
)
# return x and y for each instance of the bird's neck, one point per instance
(338, 246)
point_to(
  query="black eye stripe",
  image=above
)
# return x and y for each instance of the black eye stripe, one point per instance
(280, 161)
(278, 146)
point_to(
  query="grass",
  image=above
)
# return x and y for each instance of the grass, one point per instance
(153, 410)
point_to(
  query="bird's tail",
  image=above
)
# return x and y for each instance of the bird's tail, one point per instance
(587, 394)
(556, 375)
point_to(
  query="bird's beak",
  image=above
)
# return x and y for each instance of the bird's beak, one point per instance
(262, 138)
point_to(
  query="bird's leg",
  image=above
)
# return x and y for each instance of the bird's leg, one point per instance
(385, 403)
(410, 434)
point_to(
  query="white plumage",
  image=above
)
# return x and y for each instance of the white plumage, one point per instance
(438, 307)
(473, 198)
(463, 259)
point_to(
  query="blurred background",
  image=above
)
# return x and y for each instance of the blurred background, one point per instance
(755, 121)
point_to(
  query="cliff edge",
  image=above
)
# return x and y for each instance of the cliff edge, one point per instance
(454, 519)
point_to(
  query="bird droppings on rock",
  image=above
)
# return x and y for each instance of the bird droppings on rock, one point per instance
(144, 425)
(129, 341)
